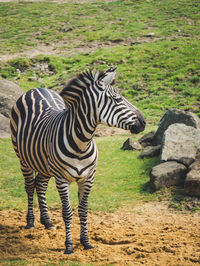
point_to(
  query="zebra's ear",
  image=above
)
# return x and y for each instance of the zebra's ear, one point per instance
(108, 76)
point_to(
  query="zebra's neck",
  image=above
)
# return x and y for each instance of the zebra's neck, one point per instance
(79, 130)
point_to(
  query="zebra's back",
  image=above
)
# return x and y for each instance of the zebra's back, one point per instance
(31, 120)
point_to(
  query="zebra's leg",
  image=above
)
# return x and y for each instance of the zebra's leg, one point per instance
(63, 189)
(83, 193)
(41, 183)
(29, 187)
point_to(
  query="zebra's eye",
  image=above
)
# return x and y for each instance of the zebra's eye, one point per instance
(118, 99)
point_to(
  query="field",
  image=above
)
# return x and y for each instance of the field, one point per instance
(155, 46)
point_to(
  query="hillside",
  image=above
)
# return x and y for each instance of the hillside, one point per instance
(155, 45)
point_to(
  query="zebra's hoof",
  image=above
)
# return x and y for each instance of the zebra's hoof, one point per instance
(88, 246)
(86, 243)
(50, 226)
(69, 251)
(29, 226)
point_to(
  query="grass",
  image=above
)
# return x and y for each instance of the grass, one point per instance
(25, 262)
(29, 23)
(121, 179)
(13, 262)
(155, 73)
(153, 76)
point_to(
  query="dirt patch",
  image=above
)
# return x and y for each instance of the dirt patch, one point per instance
(103, 131)
(150, 234)
(81, 47)
(62, 1)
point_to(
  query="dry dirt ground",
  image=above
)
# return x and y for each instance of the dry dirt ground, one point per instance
(150, 234)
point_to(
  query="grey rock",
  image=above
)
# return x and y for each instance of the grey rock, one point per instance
(150, 34)
(192, 182)
(9, 93)
(130, 144)
(167, 174)
(147, 139)
(150, 151)
(4, 127)
(173, 116)
(180, 143)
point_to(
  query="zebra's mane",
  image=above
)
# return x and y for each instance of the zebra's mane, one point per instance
(81, 82)
(84, 77)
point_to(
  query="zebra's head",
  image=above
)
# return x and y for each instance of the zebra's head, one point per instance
(96, 101)
(114, 109)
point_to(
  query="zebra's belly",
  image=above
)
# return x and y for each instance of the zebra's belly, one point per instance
(72, 176)
(74, 170)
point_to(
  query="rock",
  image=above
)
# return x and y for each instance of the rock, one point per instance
(173, 116)
(66, 29)
(150, 34)
(180, 143)
(192, 182)
(32, 78)
(130, 144)
(9, 93)
(150, 151)
(147, 139)
(4, 127)
(167, 174)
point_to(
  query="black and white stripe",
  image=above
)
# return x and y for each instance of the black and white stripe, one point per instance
(52, 135)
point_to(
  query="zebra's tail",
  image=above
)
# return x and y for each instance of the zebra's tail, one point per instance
(13, 127)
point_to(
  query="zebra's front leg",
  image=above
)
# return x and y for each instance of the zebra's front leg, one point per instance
(29, 187)
(84, 191)
(63, 189)
(41, 183)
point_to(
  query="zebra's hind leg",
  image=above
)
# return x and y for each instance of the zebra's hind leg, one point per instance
(29, 187)
(63, 189)
(41, 183)
(84, 190)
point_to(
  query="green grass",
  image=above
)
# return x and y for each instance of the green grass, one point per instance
(154, 73)
(13, 262)
(121, 179)
(25, 262)
(29, 23)
(153, 76)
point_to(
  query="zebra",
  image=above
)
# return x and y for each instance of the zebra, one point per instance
(52, 135)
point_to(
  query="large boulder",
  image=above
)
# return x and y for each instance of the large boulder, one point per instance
(167, 174)
(9, 93)
(180, 143)
(131, 144)
(4, 127)
(192, 182)
(173, 116)
(147, 139)
(150, 151)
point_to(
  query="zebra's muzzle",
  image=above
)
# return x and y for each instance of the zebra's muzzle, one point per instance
(139, 125)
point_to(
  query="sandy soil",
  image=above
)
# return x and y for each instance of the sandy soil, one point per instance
(150, 234)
